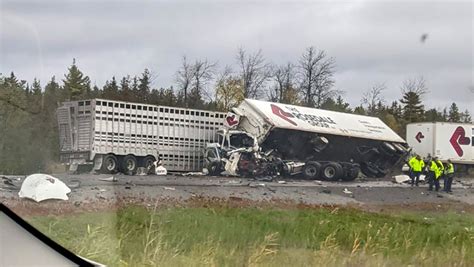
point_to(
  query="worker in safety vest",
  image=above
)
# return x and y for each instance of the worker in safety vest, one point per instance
(433, 174)
(416, 167)
(441, 168)
(448, 176)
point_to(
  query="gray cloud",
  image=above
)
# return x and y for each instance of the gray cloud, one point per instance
(371, 41)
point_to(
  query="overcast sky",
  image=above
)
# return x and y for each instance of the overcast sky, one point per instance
(371, 41)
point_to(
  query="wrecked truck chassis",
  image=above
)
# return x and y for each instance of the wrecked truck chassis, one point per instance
(247, 163)
(375, 158)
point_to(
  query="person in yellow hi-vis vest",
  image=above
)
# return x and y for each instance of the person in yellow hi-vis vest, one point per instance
(448, 176)
(433, 174)
(416, 167)
(441, 168)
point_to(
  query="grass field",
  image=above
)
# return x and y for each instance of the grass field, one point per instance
(223, 236)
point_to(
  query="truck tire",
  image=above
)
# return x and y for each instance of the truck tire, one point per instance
(129, 165)
(332, 171)
(370, 170)
(311, 170)
(214, 168)
(351, 174)
(109, 164)
(147, 163)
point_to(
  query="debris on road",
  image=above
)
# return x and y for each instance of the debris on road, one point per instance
(400, 179)
(193, 174)
(169, 188)
(282, 182)
(160, 170)
(326, 191)
(39, 187)
(109, 179)
(345, 191)
(74, 184)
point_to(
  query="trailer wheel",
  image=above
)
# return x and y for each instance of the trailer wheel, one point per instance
(332, 171)
(148, 163)
(352, 174)
(311, 170)
(109, 164)
(129, 164)
(214, 168)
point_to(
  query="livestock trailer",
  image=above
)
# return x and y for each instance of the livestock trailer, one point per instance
(122, 136)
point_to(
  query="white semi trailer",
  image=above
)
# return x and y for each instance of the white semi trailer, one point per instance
(122, 136)
(321, 143)
(445, 140)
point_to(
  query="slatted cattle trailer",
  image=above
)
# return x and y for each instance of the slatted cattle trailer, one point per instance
(122, 136)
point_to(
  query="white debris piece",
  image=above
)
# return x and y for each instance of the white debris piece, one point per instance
(282, 182)
(160, 170)
(40, 187)
(400, 179)
(346, 191)
(110, 179)
(169, 188)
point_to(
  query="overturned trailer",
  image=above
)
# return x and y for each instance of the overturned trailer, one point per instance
(317, 143)
(121, 136)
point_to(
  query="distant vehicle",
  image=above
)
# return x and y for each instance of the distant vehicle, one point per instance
(122, 136)
(317, 143)
(445, 140)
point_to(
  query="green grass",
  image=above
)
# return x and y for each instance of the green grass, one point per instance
(222, 236)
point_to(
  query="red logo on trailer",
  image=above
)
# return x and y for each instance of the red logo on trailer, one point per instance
(459, 139)
(419, 136)
(282, 114)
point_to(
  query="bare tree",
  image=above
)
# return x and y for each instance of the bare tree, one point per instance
(254, 72)
(202, 74)
(284, 89)
(184, 78)
(316, 77)
(415, 85)
(373, 97)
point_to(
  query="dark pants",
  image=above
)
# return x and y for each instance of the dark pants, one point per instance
(448, 181)
(433, 181)
(415, 177)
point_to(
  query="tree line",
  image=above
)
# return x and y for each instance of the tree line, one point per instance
(28, 125)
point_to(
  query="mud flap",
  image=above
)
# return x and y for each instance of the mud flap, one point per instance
(73, 167)
(97, 163)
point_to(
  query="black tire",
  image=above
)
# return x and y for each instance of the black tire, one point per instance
(311, 170)
(109, 164)
(129, 165)
(351, 174)
(332, 171)
(214, 168)
(369, 169)
(388, 149)
(148, 163)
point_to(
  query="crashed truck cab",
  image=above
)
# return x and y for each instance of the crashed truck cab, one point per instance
(317, 143)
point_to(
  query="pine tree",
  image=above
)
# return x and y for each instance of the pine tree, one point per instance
(466, 117)
(413, 109)
(144, 86)
(76, 85)
(453, 115)
(111, 90)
